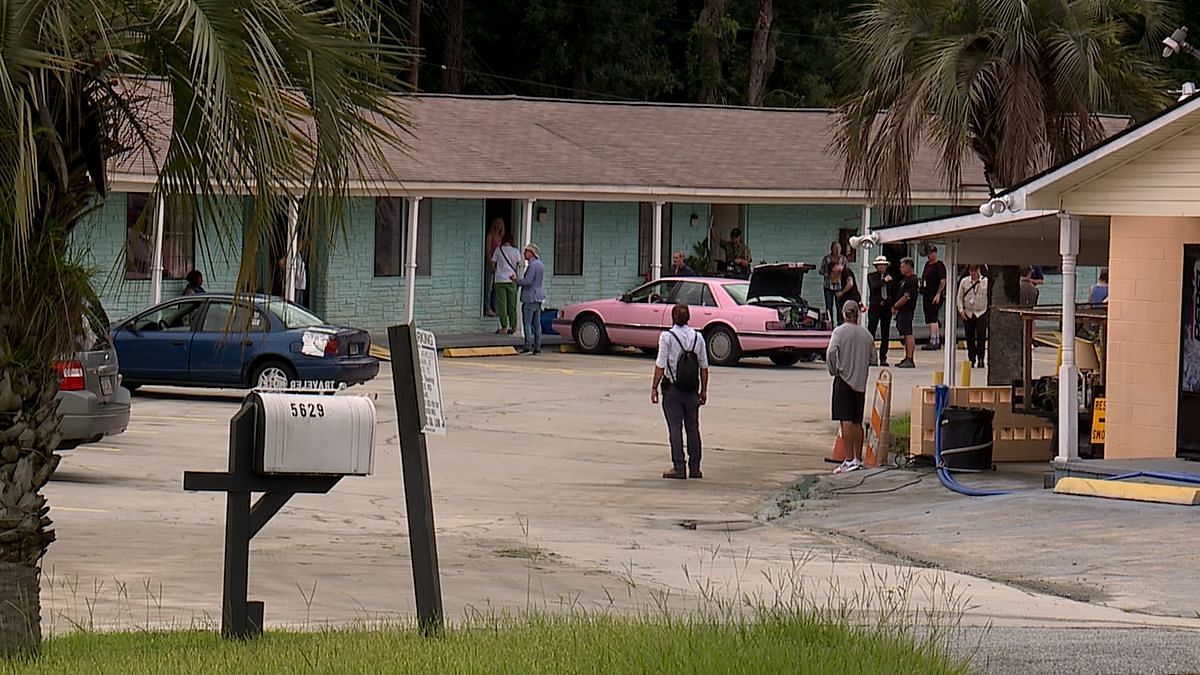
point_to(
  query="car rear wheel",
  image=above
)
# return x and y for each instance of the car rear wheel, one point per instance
(786, 358)
(272, 375)
(723, 346)
(590, 336)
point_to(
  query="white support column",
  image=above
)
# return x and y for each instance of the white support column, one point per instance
(1068, 373)
(865, 252)
(293, 246)
(156, 256)
(410, 254)
(526, 238)
(656, 247)
(950, 302)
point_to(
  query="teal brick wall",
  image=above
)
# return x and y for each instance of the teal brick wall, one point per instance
(448, 300)
(610, 253)
(796, 233)
(99, 242)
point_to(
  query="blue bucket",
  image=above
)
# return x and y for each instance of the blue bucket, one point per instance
(548, 317)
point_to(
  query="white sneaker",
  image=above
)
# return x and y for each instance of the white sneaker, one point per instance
(855, 465)
(847, 465)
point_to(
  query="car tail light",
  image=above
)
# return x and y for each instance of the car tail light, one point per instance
(71, 373)
(776, 325)
(331, 347)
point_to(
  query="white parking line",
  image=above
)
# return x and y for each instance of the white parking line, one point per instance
(101, 448)
(77, 509)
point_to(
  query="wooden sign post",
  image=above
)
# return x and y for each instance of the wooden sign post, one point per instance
(419, 409)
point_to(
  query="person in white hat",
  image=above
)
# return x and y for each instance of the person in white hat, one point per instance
(879, 312)
(532, 297)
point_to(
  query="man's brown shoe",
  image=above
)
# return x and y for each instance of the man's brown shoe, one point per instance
(696, 474)
(675, 473)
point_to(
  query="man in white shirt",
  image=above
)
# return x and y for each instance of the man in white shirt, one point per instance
(684, 385)
(972, 309)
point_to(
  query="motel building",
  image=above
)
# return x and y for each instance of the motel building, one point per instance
(1132, 204)
(606, 190)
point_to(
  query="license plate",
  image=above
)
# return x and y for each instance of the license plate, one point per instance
(106, 386)
(355, 349)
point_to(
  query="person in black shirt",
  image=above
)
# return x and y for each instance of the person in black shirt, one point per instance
(849, 288)
(904, 308)
(879, 313)
(933, 292)
(195, 283)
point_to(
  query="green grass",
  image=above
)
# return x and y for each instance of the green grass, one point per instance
(901, 428)
(785, 643)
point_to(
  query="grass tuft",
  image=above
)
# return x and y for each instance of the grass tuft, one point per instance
(783, 642)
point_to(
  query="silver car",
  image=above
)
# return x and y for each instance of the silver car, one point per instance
(91, 399)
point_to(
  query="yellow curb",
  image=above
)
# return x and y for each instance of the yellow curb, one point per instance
(567, 349)
(464, 352)
(381, 353)
(1138, 492)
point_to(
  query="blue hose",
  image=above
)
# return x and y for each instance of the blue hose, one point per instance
(941, 397)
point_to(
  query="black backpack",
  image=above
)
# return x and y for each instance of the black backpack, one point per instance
(687, 370)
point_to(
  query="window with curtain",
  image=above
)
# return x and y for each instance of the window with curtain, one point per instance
(178, 246)
(391, 237)
(568, 238)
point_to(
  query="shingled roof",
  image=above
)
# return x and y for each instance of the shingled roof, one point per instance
(511, 143)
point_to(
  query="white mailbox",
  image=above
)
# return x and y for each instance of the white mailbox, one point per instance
(309, 434)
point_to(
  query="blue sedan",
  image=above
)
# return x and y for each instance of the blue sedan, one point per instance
(216, 340)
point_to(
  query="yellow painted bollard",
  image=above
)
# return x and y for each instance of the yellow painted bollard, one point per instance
(938, 377)
(964, 374)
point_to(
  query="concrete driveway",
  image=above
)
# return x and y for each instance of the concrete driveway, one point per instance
(546, 495)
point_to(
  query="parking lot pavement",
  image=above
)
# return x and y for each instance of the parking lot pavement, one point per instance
(546, 494)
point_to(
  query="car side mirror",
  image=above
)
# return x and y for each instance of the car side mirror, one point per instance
(130, 326)
(625, 297)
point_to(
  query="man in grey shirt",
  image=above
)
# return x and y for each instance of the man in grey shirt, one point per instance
(850, 356)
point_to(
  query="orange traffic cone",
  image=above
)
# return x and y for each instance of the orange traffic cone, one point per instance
(839, 450)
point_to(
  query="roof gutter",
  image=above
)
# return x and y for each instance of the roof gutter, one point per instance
(136, 182)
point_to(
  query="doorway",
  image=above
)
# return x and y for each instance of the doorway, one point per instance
(1188, 420)
(505, 212)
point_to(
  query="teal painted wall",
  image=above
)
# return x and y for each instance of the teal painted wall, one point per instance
(346, 291)
(99, 243)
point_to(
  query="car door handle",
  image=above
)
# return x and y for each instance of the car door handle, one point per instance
(247, 343)
(179, 343)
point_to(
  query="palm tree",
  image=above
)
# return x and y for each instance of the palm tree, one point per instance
(1017, 83)
(264, 97)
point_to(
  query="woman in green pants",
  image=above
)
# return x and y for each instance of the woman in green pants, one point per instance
(504, 268)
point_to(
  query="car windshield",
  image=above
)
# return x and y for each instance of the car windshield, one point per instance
(292, 315)
(738, 292)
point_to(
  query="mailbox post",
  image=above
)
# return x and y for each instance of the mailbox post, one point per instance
(280, 445)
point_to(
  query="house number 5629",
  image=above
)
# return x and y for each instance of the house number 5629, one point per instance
(307, 410)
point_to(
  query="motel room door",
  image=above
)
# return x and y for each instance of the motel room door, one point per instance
(505, 210)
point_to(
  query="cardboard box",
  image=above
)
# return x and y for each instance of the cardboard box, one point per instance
(1017, 438)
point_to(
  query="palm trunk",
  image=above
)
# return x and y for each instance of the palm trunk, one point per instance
(29, 434)
(762, 54)
(1004, 330)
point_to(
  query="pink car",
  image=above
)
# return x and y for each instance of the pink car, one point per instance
(765, 316)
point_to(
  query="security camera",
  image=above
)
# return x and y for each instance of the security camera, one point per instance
(864, 242)
(1176, 43)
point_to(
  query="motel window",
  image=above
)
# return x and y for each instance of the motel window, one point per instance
(178, 245)
(391, 236)
(568, 238)
(646, 237)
